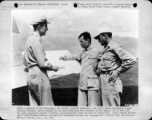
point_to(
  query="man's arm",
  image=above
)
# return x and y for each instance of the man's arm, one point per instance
(76, 57)
(40, 57)
(127, 59)
(24, 63)
(24, 60)
(98, 68)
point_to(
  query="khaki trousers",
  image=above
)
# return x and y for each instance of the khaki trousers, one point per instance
(108, 92)
(39, 87)
(88, 98)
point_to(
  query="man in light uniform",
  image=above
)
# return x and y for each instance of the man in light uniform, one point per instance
(113, 60)
(34, 59)
(88, 83)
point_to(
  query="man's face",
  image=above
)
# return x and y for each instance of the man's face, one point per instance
(84, 43)
(102, 40)
(43, 28)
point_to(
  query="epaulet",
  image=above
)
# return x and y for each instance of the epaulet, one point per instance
(114, 45)
(35, 37)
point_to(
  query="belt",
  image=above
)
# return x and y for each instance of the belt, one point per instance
(105, 72)
(28, 67)
(32, 66)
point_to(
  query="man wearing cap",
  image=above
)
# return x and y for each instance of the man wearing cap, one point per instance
(88, 84)
(34, 59)
(113, 61)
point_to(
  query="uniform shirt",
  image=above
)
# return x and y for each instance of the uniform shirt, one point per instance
(115, 57)
(34, 53)
(88, 60)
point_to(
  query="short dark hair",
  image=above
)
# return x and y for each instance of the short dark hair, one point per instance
(108, 33)
(41, 24)
(86, 35)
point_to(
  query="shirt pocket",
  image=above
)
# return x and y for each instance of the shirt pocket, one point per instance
(108, 57)
(92, 57)
(93, 61)
(93, 81)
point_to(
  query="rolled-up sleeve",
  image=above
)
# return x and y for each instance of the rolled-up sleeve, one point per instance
(127, 59)
(24, 61)
(40, 56)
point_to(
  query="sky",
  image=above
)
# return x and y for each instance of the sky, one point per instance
(70, 23)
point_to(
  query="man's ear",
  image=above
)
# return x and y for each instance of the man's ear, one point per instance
(38, 27)
(88, 40)
(105, 36)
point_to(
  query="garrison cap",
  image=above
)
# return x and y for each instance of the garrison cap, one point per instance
(103, 30)
(39, 19)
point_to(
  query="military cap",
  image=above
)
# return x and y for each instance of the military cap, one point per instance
(39, 19)
(103, 30)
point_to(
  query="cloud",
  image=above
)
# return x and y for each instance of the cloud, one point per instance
(73, 22)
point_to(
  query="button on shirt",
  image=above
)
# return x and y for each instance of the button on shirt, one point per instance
(88, 60)
(34, 53)
(115, 57)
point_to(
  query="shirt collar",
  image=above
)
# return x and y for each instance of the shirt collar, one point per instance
(89, 48)
(36, 34)
(110, 44)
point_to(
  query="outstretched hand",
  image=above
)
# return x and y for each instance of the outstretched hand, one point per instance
(55, 68)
